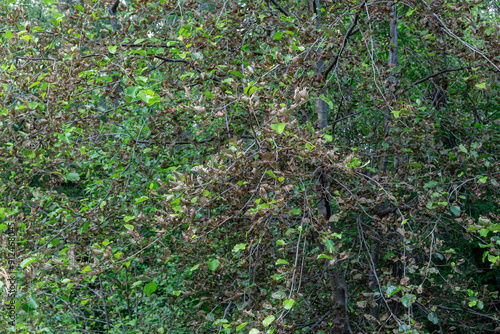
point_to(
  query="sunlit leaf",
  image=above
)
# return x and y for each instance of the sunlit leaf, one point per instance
(150, 288)
(287, 304)
(268, 320)
(279, 127)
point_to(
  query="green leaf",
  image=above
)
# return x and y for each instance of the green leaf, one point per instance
(141, 199)
(408, 300)
(254, 331)
(480, 304)
(33, 85)
(112, 49)
(279, 295)
(73, 177)
(455, 210)
(176, 292)
(328, 138)
(493, 259)
(295, 212)
(136, 284)
(482, 179)
(287, 304)
(238, 247)
(153, 100)
(271, 173)
(391, 290)
(132, 91)
(236, 73)
(130, 227)
(483, 232)
(279, 127)
(213, 264)
(146, 95)
(462, 148)
(309, 146)
(281, 261)
(276, 277)
(219, 322)
(27, 261)
(241, 326)
(278, 35)
(31, 305)
(430, 184)
(481, 85)
(330, 245)
(250, 89)
(433, 318)
(84, 270)
(8, 34)
(27, 38)
(268, 320)
(150, 288)
(128, 218)
(324, 256)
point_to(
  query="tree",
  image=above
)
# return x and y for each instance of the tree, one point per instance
(251, 166)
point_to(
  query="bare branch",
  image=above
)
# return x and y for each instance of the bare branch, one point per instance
(344, 43)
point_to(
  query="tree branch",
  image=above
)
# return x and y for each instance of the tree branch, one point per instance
(173, 60)
(437, 74)
(350, 32)
(280, 8)
(29, 58)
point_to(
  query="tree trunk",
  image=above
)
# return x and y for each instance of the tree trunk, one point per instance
(393, 61)
(336, 274)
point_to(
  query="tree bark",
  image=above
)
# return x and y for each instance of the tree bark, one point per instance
(336, 274)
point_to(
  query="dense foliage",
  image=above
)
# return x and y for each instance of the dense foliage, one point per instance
(253, 166)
